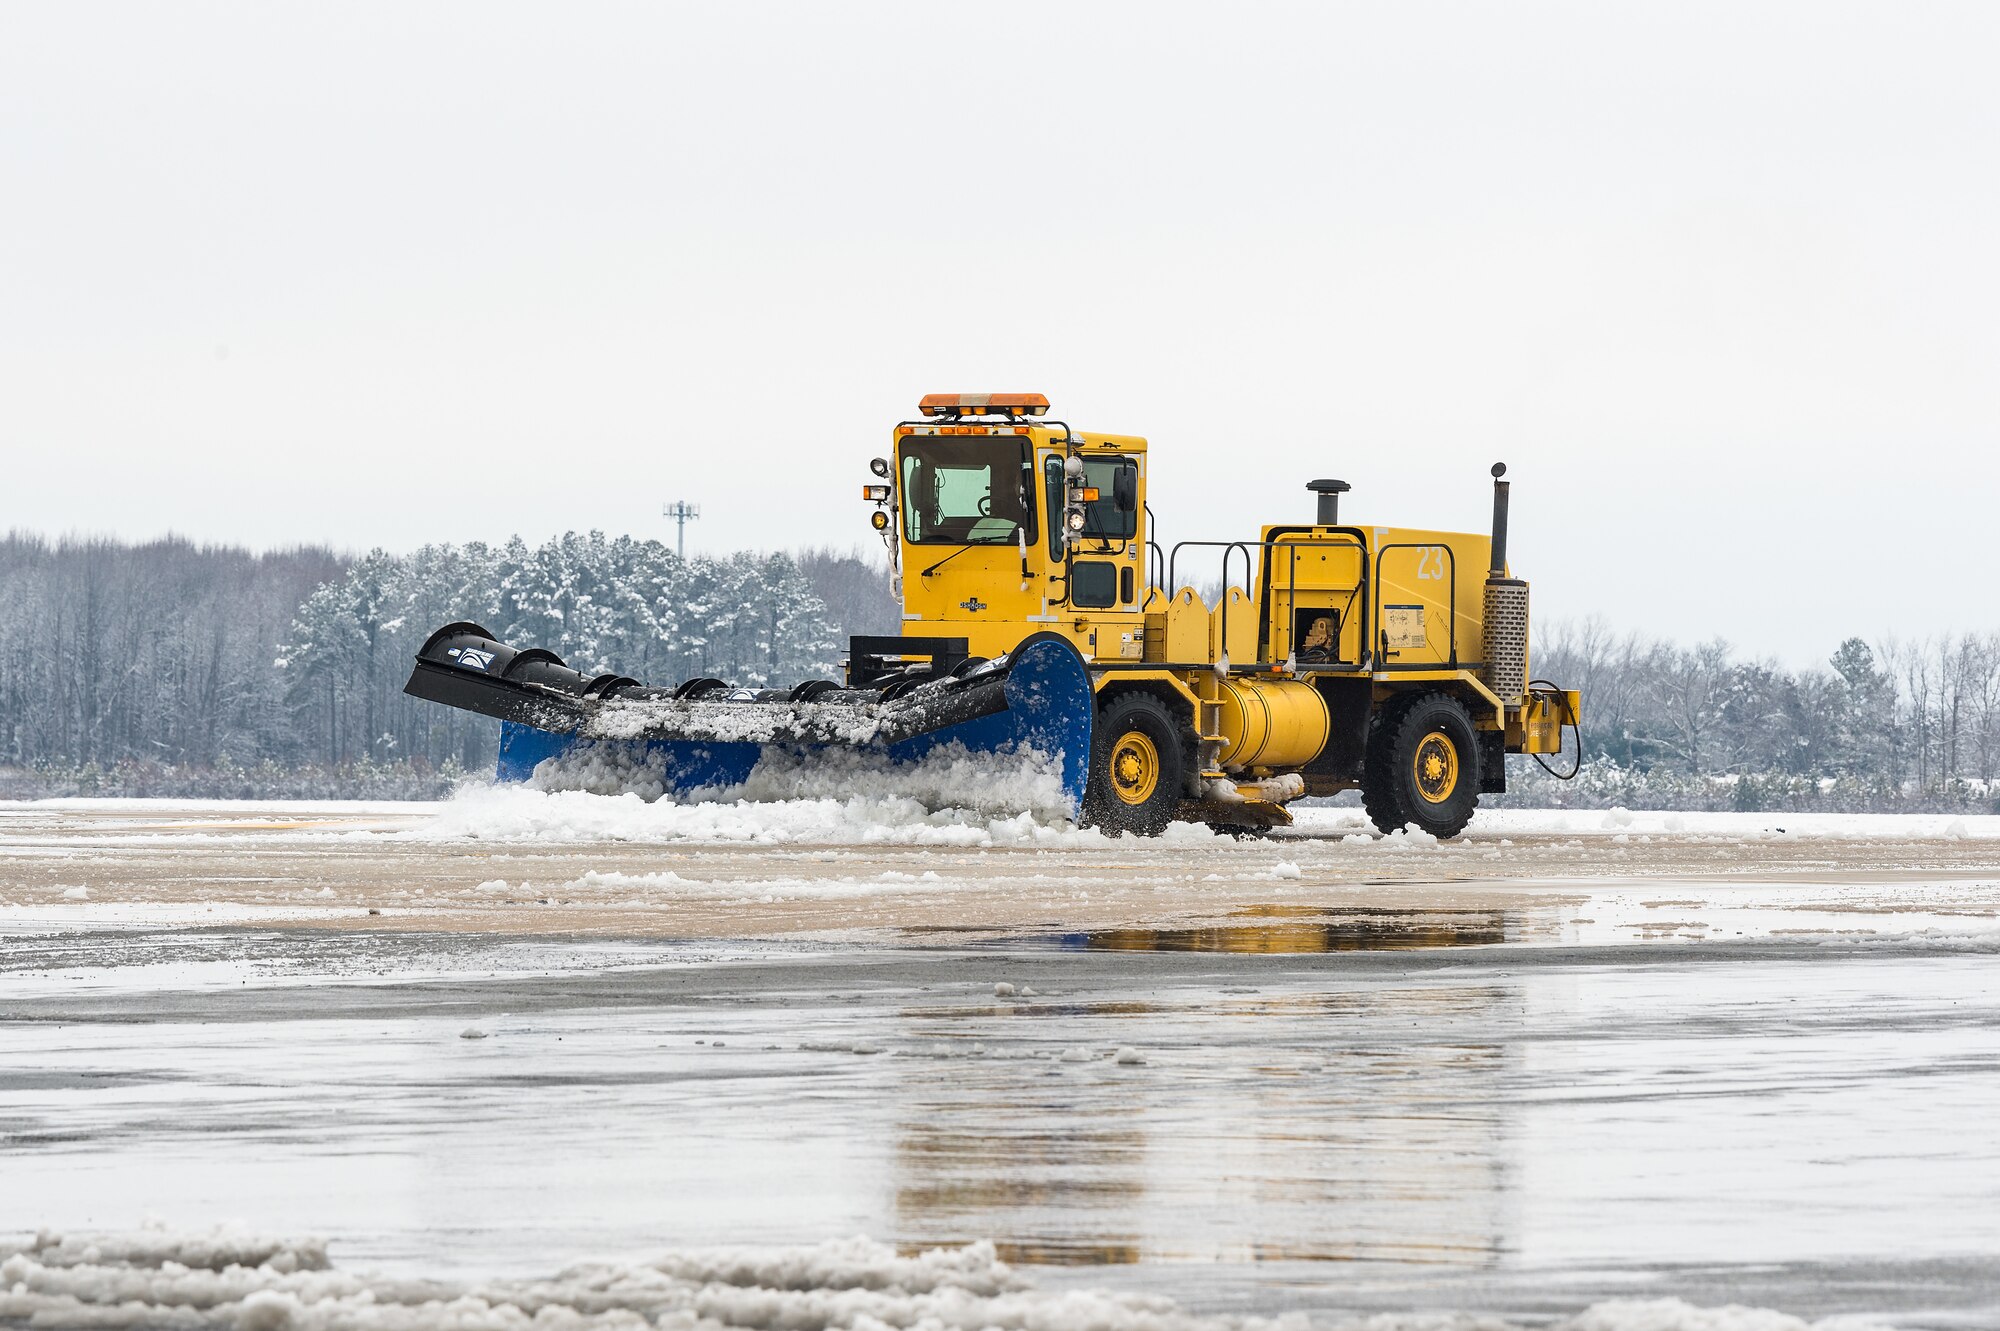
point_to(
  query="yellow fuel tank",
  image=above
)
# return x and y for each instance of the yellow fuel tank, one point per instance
(1272, 722)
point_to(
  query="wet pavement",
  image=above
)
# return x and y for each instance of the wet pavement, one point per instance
(1346, 1091)
(1341, 1130)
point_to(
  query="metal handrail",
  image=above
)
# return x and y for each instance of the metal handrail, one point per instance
(1452, 601)
(1348, 539)
(1292, 547)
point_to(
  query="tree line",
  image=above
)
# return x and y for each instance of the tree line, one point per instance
(1893, 724)
(167, 667)
(171, 668)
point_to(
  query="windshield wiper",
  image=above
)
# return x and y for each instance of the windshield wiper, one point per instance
(942, 562)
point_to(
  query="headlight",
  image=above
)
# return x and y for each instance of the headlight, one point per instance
(879, 519)
(880, 466)
(1074, 520)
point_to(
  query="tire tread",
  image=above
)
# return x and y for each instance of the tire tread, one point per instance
(1398, 726)
(1174, 741)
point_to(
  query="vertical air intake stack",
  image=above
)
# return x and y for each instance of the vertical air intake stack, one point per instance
(1329, 493)
(1506, 649)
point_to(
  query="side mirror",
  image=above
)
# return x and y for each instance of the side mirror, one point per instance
(1125, 489)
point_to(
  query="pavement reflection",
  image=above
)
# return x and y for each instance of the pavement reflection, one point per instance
(1332, 1139)
(1302, 929)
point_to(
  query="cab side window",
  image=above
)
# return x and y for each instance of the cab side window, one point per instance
(1103, 520)
(1093, 584)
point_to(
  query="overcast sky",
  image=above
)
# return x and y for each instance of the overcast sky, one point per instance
(1718, 282)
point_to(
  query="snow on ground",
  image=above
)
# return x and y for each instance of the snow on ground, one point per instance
(955, 810)
(231, 1278)
(948, 777)
(516, 858)
(952, 799)
(889, 883)
(274, 811)
(516, 813)
(1758, 826)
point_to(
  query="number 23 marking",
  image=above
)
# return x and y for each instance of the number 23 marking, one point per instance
(1430, 563)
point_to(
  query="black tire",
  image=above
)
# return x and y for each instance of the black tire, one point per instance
(1422, 766)
(1138, 766)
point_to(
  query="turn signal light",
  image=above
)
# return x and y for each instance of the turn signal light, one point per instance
(1089, 493)
(875, 494)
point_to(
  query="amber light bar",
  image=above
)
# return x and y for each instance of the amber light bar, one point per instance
(983, 404)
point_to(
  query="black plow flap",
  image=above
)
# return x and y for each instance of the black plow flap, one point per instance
(462, 665)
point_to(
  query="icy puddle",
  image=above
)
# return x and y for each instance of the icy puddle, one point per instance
(1296, 929)
(1695, 913)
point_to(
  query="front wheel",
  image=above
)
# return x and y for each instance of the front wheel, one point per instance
(1422, 767)
(1138, 766)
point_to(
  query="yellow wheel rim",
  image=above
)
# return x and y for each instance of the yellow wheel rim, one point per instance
(1135, 768)
(1436, 767)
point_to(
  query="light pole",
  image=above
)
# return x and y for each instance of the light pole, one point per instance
(682, 513)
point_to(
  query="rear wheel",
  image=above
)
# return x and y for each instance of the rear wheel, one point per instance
(1422, 766)
(1138, 766)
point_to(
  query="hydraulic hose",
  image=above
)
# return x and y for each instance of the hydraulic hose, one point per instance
(1542, 688)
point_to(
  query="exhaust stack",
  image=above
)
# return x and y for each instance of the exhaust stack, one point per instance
(1499, 562)
(1329, 493)
(1505, 666)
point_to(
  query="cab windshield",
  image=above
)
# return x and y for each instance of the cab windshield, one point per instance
(967, 491)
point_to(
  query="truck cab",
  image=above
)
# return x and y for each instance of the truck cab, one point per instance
(1002, 530)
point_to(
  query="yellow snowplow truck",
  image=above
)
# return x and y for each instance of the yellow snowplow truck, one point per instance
(1041, 613)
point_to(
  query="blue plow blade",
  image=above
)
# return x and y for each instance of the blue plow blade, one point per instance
(1049, 706)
